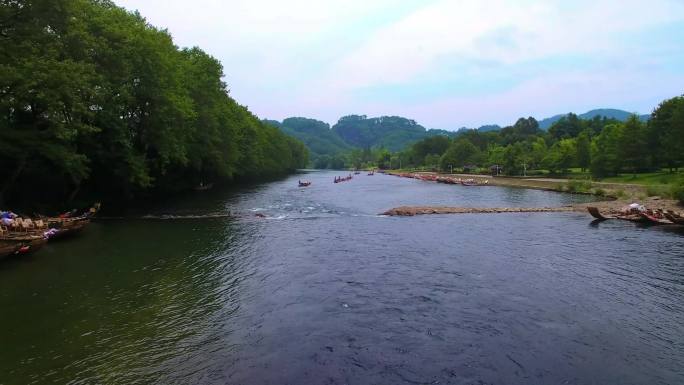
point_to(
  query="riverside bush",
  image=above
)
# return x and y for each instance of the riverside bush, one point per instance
(578, 186)
(677, 192)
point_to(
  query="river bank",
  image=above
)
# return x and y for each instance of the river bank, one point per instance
(612, 196)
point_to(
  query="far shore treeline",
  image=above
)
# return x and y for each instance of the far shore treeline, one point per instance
(599, 146)
(98, 104)
(602, 146)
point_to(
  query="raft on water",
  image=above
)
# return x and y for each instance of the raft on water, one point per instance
(653, 217)
(425, 210)
(66, 225)
(20, 244)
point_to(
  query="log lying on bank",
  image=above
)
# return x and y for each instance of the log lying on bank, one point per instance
(424, 210)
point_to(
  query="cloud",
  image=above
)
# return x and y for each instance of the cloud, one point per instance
(496, 31)
(444, 63)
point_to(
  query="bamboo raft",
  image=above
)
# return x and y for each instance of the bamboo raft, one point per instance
(20, 244)
(28, 235)
(426, 210)
(647, 217)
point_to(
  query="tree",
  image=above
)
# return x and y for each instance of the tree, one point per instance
(97, 102)
(569, 126)
(666, 132)
(432, 161)
(539, 151)
(432, 145)
(583, 150)
(522, 130)
(632, 144)
(561, 156)
(513, 162)
(383, 159)
(460, 153)
(605, 156)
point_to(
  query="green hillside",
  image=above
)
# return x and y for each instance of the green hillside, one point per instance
(315, 134)
(391, 132)
(610, 113)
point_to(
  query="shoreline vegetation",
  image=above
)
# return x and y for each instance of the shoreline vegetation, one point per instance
(586, 154)
(100, 105)
(615, 195)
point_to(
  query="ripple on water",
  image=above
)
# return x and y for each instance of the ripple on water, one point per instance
(323, 290)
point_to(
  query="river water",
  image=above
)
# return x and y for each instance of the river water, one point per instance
(325, 291)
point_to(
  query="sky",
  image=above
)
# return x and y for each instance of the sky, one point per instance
(444, 63)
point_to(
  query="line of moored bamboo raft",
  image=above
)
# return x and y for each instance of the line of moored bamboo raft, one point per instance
(443, 178)
(425, 210)
(23, 235)
(640, 214)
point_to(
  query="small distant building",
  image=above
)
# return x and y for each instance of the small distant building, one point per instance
(468, 168)
(495, 170)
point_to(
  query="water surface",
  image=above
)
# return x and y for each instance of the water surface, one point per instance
(324, 291)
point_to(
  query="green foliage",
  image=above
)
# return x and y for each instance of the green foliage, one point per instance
(569, 126)
(514, 159)
(583, 150)
(460, 153)
(538, 153)
(561, 156)
(522, 130)
(495, 154)
(316, 135)
(97, 101)
(677, 192)
(578, 186)
(666, 131)
(605, 155)
(392, 132)
(420, 150)
(632, 144)
(432, 161)
(383, 159)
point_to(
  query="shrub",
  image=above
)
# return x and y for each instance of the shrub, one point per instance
(677, 192)
(578, 186)
(600, 192)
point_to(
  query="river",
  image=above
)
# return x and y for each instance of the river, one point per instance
(322, 290)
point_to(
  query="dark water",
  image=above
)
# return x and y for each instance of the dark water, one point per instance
(324, 291)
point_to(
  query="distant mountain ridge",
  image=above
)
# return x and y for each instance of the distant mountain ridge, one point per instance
(391, 132)
(356, 131)
(611, 113)
(394, 133)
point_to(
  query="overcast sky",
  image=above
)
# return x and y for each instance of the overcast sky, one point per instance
(444, 63)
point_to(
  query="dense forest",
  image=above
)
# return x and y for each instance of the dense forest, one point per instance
(324, 145)
(354, 134)
(360, 141)
(603, 146)
(98, 104)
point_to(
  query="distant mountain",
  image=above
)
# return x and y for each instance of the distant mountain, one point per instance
(316, 135)
(612, 113)
(392, 132)
(489, 127)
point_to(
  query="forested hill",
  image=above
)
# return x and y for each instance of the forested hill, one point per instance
(610, 113)
(391, 132)
(98, 104)
(316, 135)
